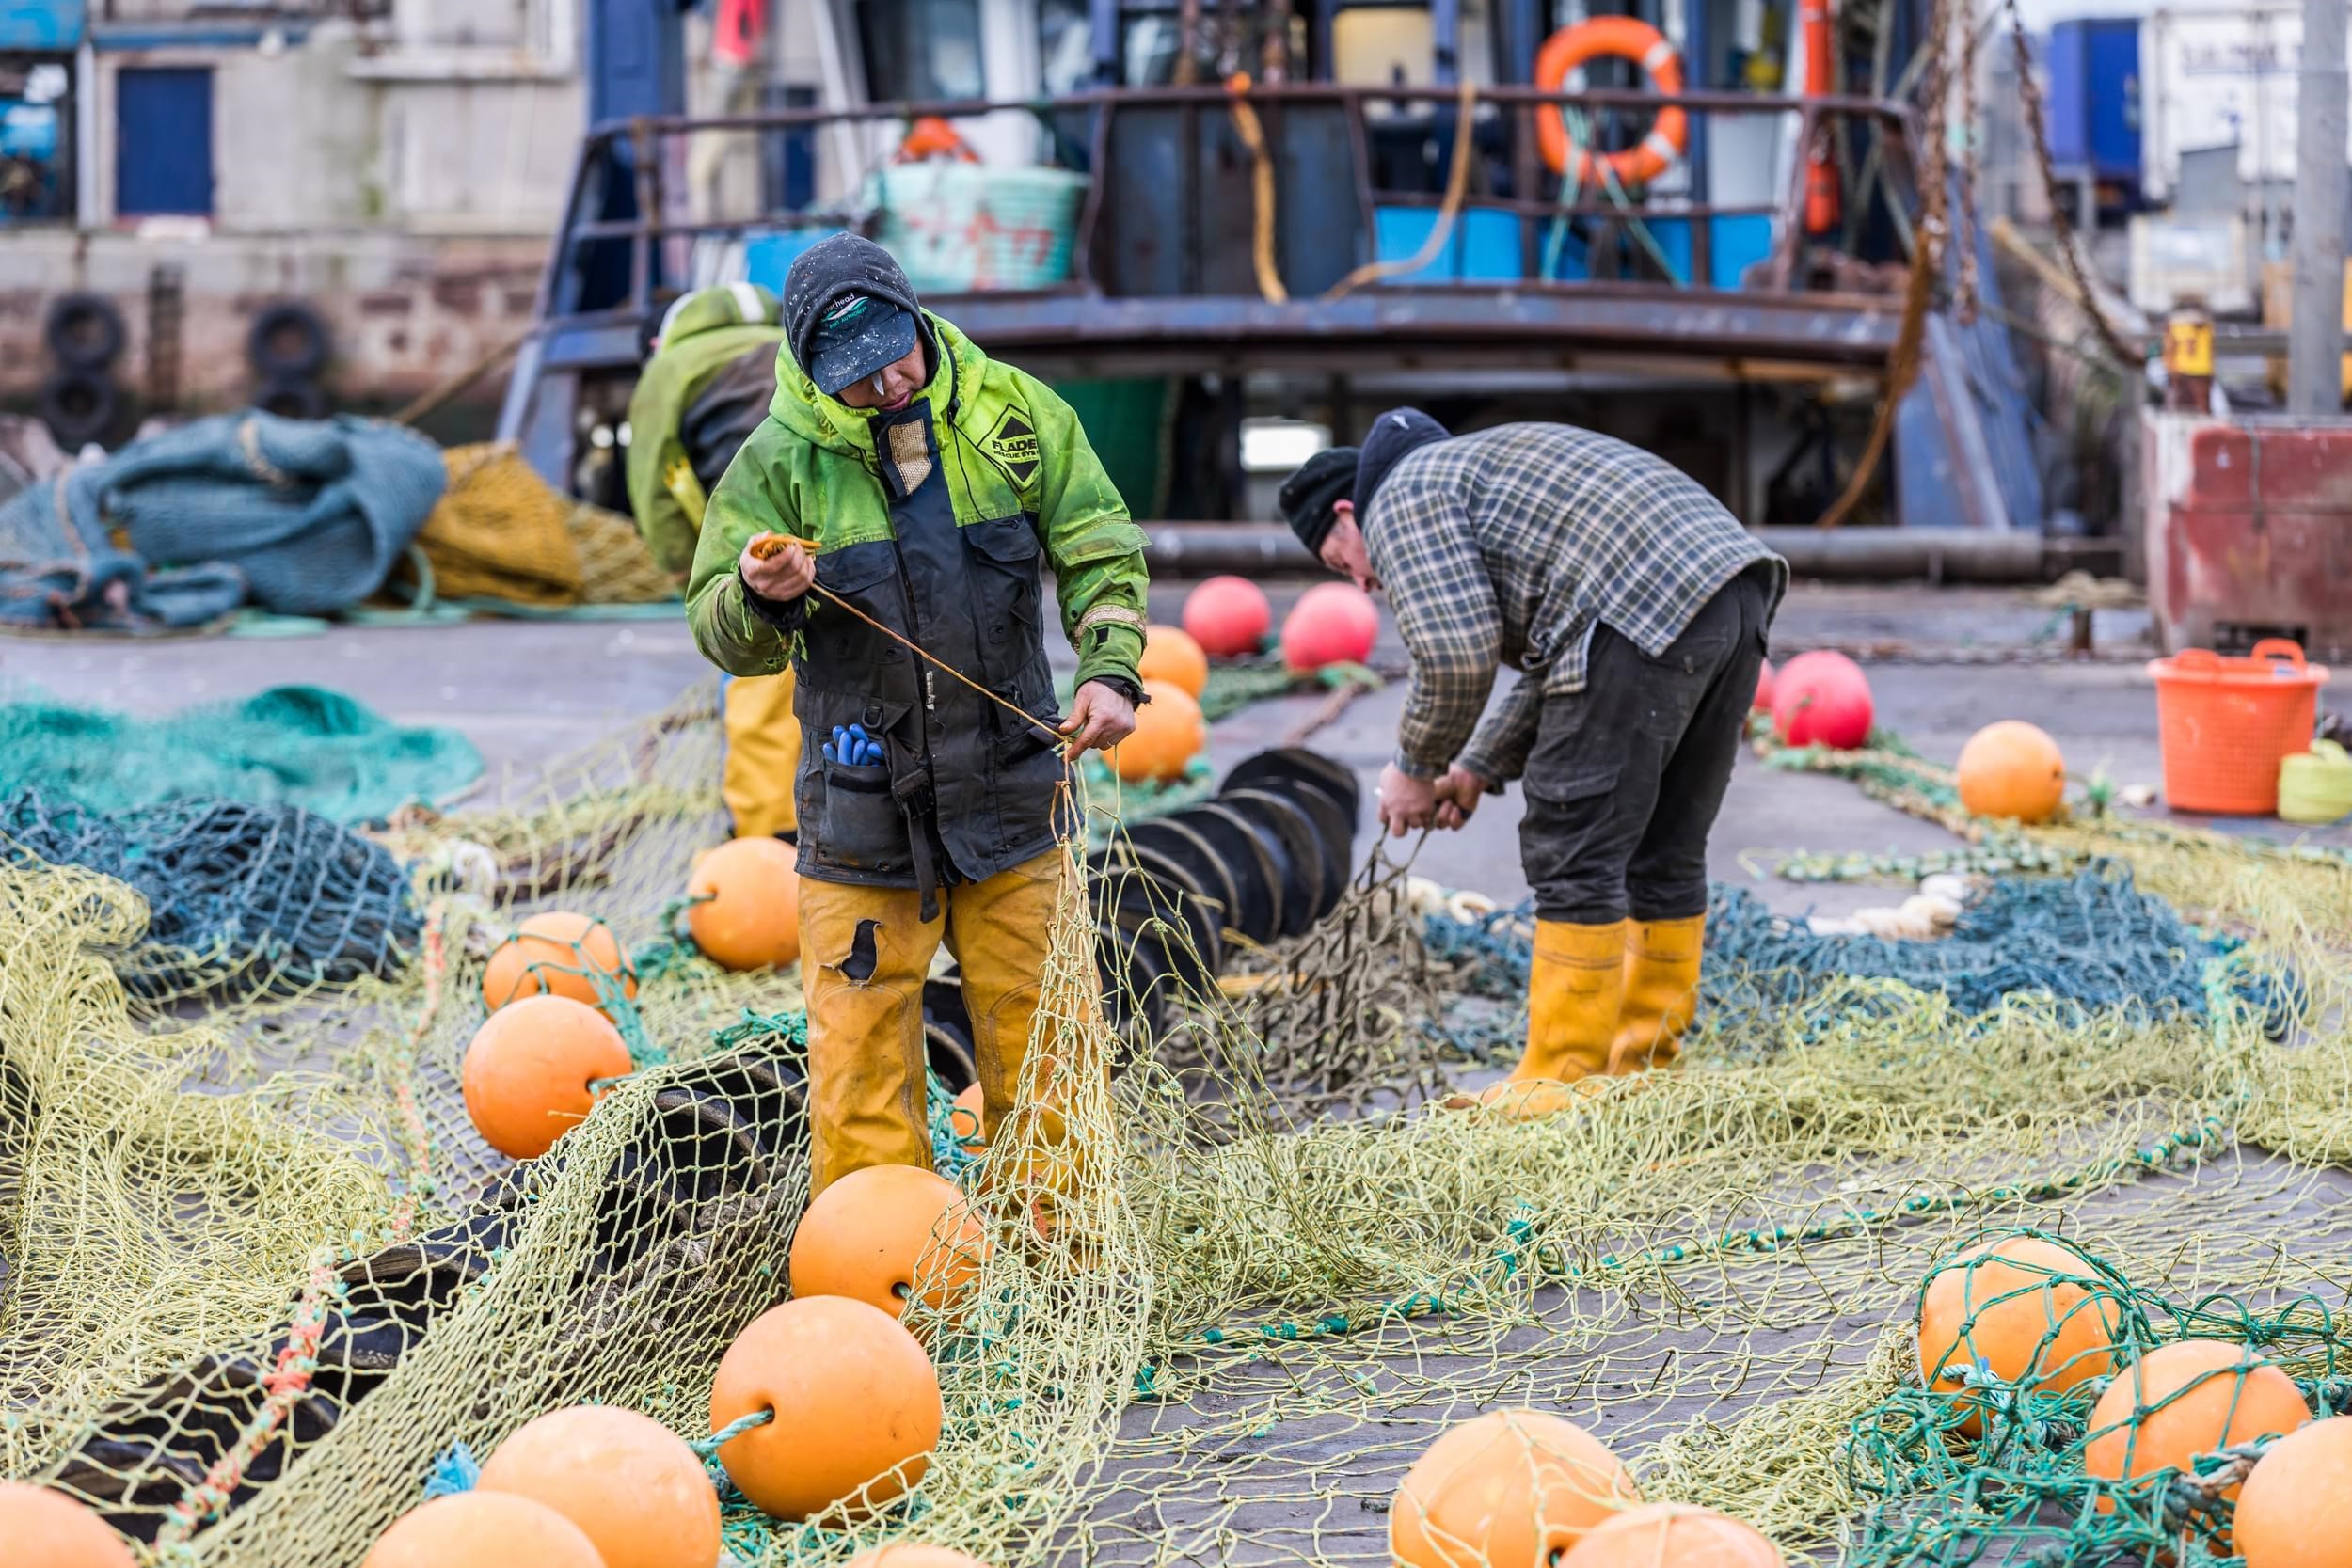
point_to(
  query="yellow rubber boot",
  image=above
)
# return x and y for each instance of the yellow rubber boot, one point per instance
(863, 953)
(762, 766)
(1573, 990)
(1662, 991)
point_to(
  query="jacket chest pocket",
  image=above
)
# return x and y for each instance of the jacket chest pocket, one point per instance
(865, 578)
(1006, 594)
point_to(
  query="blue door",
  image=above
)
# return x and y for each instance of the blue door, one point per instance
(162, 142)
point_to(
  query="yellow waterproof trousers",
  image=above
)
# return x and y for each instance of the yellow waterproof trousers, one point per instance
(763, 754)
(864, 952)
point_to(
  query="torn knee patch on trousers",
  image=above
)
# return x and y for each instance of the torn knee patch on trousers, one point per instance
(858, 967)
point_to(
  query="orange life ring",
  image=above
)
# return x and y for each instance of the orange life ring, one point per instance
(933, 137)
(1627, 38)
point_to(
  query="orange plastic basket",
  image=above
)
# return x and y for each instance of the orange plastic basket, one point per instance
(2225, 724)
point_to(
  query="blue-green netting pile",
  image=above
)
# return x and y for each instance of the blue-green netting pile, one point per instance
(241, 897)
(2090, 941)
(291, 746)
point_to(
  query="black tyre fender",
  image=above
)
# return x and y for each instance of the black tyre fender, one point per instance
(79, 407)
(83, 331)
(288, 342)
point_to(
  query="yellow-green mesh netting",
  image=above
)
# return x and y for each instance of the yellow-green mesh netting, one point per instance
(1284, 1270)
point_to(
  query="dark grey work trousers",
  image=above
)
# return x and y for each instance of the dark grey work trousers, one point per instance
(1627, 775)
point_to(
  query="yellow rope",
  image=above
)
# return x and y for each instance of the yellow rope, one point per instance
(1262, 193)
(1457, 187)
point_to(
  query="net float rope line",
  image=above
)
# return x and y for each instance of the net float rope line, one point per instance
(768, 546)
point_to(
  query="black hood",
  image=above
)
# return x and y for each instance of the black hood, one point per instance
(831, 271)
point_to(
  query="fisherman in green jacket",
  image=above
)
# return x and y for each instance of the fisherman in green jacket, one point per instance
(703, 392)
(934, 483)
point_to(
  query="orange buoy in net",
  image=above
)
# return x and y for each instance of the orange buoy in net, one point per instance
(1673, 1535)
(557, 954)
(1171, 655)
(968, 1120)
(526, 1074)
(856, 1400)
(483, 1529)
(748, 916)
(41, 1529)
(1167, 735)
(1332, 622)
(1510, 1489)
(910, 1554)
(874, 1233)
(2295, 1509)
(2012, 768)
(631, 1484)
(1227, 616)
(2185, 1399)
(2033, 1311)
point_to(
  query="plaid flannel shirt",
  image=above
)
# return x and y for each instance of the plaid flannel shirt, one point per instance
(1508, 546)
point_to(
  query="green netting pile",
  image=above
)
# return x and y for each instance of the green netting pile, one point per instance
(289, 746)
(1280, 1265)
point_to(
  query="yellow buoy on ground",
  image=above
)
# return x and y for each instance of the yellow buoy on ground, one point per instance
(856, 1403)
(556, 954)
(2011, 769)
(43, 1529)
(483, 1529)
(1167, 735)
(526, 1075)
(2179, 1401)
(1510, 1489)
(1673, 1535)
(2295, 1509)
(2030, 1310)
(631, 1484)
(747, 913)
(1170, 654)
(873, 1233)
(908, 1554)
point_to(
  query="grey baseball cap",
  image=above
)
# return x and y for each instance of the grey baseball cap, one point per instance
(858, 337)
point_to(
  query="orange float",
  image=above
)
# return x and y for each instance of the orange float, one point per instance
(2295, 1509)
(1673, 1535)
(1332, 622)
(871, 1233)
(856, 1404)
(631, 1484)
(1171, 655)
(1510, 1489)
(553, 954)
(908, 1554)
(1227, 616)
(526, 1074)
(2012, 768)
(1166, 738)
(482, 1530)
(749, 913)
(41, 1529)
(1626, 39)
(2014, 1303)
(968, 1116)
(2185, 1399)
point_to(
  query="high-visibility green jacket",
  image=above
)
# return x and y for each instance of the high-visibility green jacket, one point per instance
(670, 472)
(987, 477)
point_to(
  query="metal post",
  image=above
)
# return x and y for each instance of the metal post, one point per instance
(2315, 342)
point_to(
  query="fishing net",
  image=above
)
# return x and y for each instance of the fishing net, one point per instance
(294, 745)
(502, 533)
(256, 1254)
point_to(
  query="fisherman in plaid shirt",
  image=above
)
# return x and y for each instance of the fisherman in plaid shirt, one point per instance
(1635, 607)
